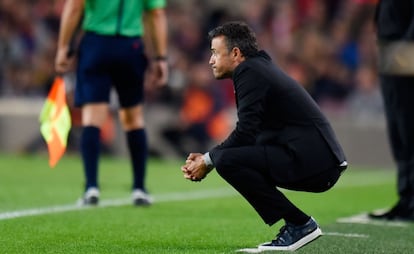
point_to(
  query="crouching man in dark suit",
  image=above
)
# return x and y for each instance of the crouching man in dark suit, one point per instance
(281, 138)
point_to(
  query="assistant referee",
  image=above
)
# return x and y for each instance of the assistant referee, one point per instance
(111, 54)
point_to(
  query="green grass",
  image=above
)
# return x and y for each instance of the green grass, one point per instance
(220, 224)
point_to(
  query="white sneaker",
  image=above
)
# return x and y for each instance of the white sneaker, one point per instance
(91, 197)
(141, 198)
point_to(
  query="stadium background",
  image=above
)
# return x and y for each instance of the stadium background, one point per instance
(328, 46)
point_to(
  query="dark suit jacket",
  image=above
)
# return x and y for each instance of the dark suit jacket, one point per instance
(394, 20)
(273, 109)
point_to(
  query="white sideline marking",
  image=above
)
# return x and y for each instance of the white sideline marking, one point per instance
(167, 197)
(256, 250)
(345, 234)
(364, 219)
(249, 250)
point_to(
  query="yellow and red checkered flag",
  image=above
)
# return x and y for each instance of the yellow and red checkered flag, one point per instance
(55, 122)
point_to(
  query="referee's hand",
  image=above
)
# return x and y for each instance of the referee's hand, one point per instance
(159, 71)
(63, 61)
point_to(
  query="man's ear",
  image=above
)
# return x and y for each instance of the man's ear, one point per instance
(236, 53)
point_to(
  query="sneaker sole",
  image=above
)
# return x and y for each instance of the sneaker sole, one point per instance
(92, 201)
(142, 202)
(303, 241)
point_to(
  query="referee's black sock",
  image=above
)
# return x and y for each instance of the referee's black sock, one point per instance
(90, 148)
(138, 150)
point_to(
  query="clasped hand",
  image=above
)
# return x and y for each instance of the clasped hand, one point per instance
(195, 169)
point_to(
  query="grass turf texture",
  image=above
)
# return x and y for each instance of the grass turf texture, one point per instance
(220, 224)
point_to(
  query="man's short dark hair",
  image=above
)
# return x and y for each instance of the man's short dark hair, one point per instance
(237, 34)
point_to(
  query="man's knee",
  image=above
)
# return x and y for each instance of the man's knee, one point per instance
(218, 164)
(224, 164)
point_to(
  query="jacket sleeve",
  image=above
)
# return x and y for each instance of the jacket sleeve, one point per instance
(250, 99)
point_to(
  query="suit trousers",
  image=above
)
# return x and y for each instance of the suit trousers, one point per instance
(398, 93)
(257, 171)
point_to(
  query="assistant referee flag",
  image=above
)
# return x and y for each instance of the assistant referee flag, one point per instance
(55, 122)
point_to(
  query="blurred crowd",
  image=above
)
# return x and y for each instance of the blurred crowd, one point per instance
(327, 46)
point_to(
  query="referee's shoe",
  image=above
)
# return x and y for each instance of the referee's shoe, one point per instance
(91, 197)
(292, 237)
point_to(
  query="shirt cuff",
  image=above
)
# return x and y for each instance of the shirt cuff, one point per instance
(207, 160)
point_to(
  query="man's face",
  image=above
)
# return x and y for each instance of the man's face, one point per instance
(221, 60)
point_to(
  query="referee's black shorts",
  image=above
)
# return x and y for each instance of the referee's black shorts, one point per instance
(110, 61)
